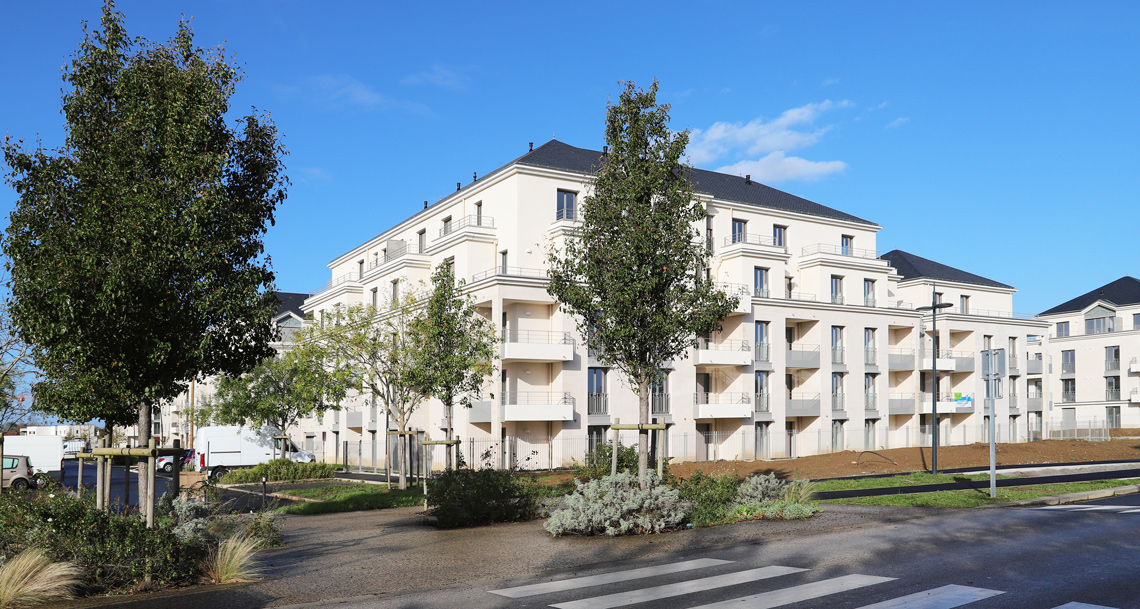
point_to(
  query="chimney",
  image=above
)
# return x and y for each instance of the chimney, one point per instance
(605, 150)
(474, 176)
(425, 204)
(531, 147)
(458, 186)
(748, 178)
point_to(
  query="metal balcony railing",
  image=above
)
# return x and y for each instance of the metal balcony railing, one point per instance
(837, 299)
(1013, 400)
(987, 313)
(537, 397)
(763, 352)
(1068, 396)
(568, 214)
(870, 355)
(346, 278)
(868, 301)
(752, 240)
(870, 401)
(537, 337)
(943, 396)
(839, 250)
(760, 293)
(800, 296)
(837, 401)
(1111, 365)
(1111, 395)
(726, 397)
(1068, 367)
(763, 404)
(1011, 362)
(708, 344)
(733, 289)
(597, 403)
(512, 271)
(464, 222)
(837, 355)
(659, 403)
(393, 254)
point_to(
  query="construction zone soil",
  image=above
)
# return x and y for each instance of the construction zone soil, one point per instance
(899, 460)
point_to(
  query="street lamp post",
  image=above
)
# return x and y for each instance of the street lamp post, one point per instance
(933, 308)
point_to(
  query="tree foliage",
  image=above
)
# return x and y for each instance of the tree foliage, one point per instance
(136, 254)
(459, 345)
(634, 274)
(278, 392)
(381, 351)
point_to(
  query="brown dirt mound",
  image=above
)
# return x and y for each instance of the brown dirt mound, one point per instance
(899, 460)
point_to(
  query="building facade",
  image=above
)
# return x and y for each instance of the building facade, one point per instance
(824, 352)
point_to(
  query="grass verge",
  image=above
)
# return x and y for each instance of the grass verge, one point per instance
(351, 498)
(979, 497)
(912, 479)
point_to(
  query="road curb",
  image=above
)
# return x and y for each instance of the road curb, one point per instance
(1103, 493)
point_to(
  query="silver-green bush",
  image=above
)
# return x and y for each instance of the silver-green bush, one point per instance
(759, 489)
(615, 505)
(782, 510)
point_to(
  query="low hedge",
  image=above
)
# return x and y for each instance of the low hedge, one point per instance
(279, 470)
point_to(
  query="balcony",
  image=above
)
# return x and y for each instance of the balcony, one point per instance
(1013, 400)
(510, 271)
(802, 405)
(763, 352)
(748, 241)
(480, 412)
(1068, 396)
(466, 224)
(1111, 395)
(399, 253)
(1011, 364)
(948, 403)
(837, 299)
(763, 402)
(869, 301)
(838, 250)
(597, 403)
(1112, 366)
(870, 356)
(723, 353)
(1068, 367)
(804, 296)
(901, 403)
(537, 346)
(726, 405)
(945, 360)
(658, 403)
(837, 402)
(1034, 403)
(963, 361)
(346, 279)
(900, 359)
(1134, 365)
(870, 401)
(1034, 365)
(741, 292)
(761, 293)
(1134, 397)
(538, 406)
(800, 356)
(837, 355)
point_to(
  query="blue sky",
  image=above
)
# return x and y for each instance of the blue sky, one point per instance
(972, 132)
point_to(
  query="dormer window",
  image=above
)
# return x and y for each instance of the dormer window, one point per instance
(1100, 325)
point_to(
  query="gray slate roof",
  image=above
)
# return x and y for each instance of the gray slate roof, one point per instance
(557, 155)
(290, 302)
(1123, 291)
(910, 266)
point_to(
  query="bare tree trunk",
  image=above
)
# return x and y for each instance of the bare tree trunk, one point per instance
(145, 433)
(642, 434)
(450, 409)
(403, 455)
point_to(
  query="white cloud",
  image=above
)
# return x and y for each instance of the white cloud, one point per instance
(437, 76)
(792, 130)
(342, 90)
(830, 81)
(313, 173)
(778, 167)
(898, 122)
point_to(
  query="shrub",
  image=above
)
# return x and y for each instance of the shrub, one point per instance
(798, 491)
(712, 497)
(773, 510)
(471, 497)
(616, 505)
(263, 527)
(279, 470)
(599, 462)
(759, 489)
(30, 578)
(232, 561)
(115, 551)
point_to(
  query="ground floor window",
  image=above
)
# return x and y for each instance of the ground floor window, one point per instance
(869, 434)
(762, 439)
(1113, 417)
(837, 442)
(596, 436)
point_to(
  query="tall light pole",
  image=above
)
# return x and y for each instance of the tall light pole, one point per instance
(933, 308)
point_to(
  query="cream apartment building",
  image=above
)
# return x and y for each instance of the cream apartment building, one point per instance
(825, 350)
(1093, 357)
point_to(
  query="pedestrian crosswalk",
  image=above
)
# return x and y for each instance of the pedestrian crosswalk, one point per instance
(840, 587)
(1081, 507)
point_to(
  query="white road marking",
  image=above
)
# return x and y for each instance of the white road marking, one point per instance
(1130, 511)
(1059, 507)
(621, 599)
(1081, 606)
(607, 578)
(945, 597)
(1093, 508)
(795, 594)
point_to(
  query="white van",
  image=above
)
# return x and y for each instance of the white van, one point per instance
(221, 448)
(71, 447)
(45, 453)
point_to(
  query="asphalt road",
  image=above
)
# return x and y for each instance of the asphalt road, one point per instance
(238, 501)
(1024, 558)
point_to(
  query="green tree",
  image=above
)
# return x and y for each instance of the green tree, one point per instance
(381, 350)
(634, 274)
(278, 392)
(136, 254)
(459, 345)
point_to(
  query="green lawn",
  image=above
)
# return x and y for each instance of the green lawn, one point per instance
(912, 479)
(979, 497)
(351, 498)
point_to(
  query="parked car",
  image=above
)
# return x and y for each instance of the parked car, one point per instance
(45, 454)
(18, 473)
(166, 463)
(70, 447)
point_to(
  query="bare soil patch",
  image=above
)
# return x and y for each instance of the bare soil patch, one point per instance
(899, 460)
